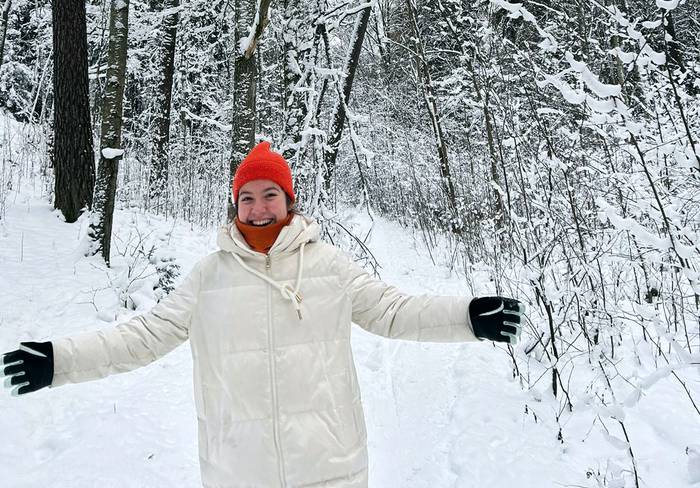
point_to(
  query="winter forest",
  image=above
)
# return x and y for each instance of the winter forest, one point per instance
(547, 150)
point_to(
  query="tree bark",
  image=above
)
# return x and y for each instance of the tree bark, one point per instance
(250, 23)
(73, 158)
(3, 27)
(339, 112)
(160, 131)
(498, 212)
(299, 43)
(675, 51)
(111, 134)
(431, 104)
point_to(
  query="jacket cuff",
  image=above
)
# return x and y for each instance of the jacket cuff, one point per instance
(469, 320)
(61, 360)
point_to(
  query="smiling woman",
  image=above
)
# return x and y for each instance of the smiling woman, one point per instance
(263, 194)
(268, 318)
(263, 209)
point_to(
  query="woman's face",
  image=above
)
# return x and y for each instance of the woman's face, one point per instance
(261, 203)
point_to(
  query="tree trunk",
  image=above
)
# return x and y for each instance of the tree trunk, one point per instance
(431, 104)
(675, 50)
(628, 81)
(3, 27)
(339, 112)
(250, 23)
(160, 132)
(73, 158)
(303, 41)
(498, 212)
(111, 134)
(299, 41)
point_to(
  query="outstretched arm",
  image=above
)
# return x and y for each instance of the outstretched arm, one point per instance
(96, 354)
(384, 310)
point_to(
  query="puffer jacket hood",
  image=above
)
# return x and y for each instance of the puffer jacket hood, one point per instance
(275, 387)
(301, 230)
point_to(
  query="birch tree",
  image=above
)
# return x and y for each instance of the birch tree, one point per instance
(74, 169)
(110, 137)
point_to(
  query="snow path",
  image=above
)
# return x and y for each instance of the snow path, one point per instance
(456, 418)
(136, 429)
(438, 415)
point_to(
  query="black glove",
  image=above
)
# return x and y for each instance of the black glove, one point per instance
(29, 368)
(496, 318)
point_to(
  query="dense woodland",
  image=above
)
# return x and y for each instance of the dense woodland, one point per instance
(555, 144)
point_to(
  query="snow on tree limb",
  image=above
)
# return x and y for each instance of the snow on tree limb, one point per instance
(517, 10)
(667, 4)
(247, 44)
(111, 153)
(600, 89)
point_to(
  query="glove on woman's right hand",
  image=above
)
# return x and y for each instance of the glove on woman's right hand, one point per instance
(29, 368)
(496, 318)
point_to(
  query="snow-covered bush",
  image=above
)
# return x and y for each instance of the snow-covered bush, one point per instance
(16, 89)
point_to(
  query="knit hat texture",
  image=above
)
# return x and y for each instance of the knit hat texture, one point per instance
(263, 164)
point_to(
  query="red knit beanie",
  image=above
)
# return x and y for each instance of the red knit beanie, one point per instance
(263, 164)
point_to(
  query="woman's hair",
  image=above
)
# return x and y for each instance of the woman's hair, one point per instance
(292, 206)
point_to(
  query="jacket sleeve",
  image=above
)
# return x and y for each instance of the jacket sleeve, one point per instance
(383, 310)
(130, 345)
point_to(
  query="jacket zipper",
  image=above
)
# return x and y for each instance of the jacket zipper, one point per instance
(273, 379)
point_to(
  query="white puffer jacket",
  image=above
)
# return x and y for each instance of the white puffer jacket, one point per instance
(276, 393)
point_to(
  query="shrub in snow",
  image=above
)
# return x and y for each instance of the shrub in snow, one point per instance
(16, 88)
(167, 271)
(145, 272)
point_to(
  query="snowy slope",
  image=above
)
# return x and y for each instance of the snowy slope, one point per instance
(438, 415)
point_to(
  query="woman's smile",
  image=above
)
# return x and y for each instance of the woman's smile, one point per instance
(261, 223)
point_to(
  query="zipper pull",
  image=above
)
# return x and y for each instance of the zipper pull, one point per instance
(268, 264)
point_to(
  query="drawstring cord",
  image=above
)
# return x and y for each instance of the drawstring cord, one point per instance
(291, 294)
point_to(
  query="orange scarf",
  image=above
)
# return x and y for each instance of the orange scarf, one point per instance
(261, 239)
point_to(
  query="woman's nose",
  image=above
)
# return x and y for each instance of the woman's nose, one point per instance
(258, 207)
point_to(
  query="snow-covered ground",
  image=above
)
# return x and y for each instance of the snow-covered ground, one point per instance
(438, 415)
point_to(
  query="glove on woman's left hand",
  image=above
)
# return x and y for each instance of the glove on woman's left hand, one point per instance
(497, 318)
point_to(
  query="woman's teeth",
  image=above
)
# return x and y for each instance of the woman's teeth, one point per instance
(261, 223)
